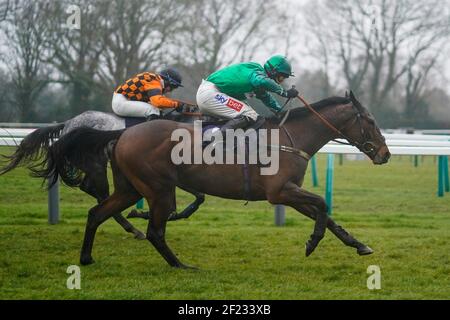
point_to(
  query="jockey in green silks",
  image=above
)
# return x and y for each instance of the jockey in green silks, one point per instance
(224, 92)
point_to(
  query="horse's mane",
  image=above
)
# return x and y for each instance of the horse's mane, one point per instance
(318, 106)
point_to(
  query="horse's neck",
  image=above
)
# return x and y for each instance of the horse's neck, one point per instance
(310, 134)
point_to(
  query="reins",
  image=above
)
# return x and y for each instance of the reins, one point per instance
(193, 114)
(329, 125)
(366, 147)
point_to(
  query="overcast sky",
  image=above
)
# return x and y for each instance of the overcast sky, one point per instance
(301, 61)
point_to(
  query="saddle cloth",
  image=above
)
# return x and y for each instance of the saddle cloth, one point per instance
(132, 121)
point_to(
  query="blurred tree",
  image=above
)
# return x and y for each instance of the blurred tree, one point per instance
(314, 85)
(214, 33)
(217, 33)
(5, 6)
(25, 40)
(75, 50)
(439, 107)
(136, 38)
(6, 112)
(386, 51)
(52, 104)
(376, 45)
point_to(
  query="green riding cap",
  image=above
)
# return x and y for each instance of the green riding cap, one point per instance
(278, 65)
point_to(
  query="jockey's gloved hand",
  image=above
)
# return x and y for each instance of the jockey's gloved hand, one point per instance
(180, 107)
(292, 93)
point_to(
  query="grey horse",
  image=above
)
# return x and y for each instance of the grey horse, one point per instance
(35, 146)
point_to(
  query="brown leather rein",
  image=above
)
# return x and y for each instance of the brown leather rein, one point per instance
(366, 147)
(325, 121)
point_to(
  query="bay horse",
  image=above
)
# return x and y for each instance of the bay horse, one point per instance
(34, 147)
(142, 166)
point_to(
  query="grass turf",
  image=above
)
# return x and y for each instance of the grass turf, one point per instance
(240, 252)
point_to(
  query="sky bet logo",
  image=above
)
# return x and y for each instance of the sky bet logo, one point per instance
(235, 105)
(220, 98)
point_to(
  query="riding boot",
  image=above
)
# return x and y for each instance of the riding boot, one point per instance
(240, 122)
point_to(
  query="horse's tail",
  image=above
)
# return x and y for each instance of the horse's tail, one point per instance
(73, 152)
(33, 147)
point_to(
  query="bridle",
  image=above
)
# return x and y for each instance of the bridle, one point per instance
(367, 146)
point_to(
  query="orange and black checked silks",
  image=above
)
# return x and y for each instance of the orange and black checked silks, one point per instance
(147, 87)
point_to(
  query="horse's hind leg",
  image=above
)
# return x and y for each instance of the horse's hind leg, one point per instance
(128, 227)
(99, 214)
(186, 213)
(190, 209)
(161, 208)
(95, 183)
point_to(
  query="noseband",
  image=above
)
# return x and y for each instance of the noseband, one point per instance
(368, 147)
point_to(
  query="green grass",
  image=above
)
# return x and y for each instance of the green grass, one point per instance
(241, 254)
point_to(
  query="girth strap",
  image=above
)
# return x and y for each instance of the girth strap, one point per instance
(245, 169)
(295, 151)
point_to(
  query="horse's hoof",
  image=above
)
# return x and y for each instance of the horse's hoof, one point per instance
(173, 217)
(86, 261)
(190, 268)
(364, 251)
(312, 244)
(183, 266)
(133, 214)
(309, 248)
(139, 236)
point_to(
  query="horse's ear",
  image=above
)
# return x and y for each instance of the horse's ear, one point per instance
(352, 96)
(355, 101)
(346, 93)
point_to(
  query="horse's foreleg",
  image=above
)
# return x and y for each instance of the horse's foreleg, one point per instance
(321, 219)
(292, 195)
